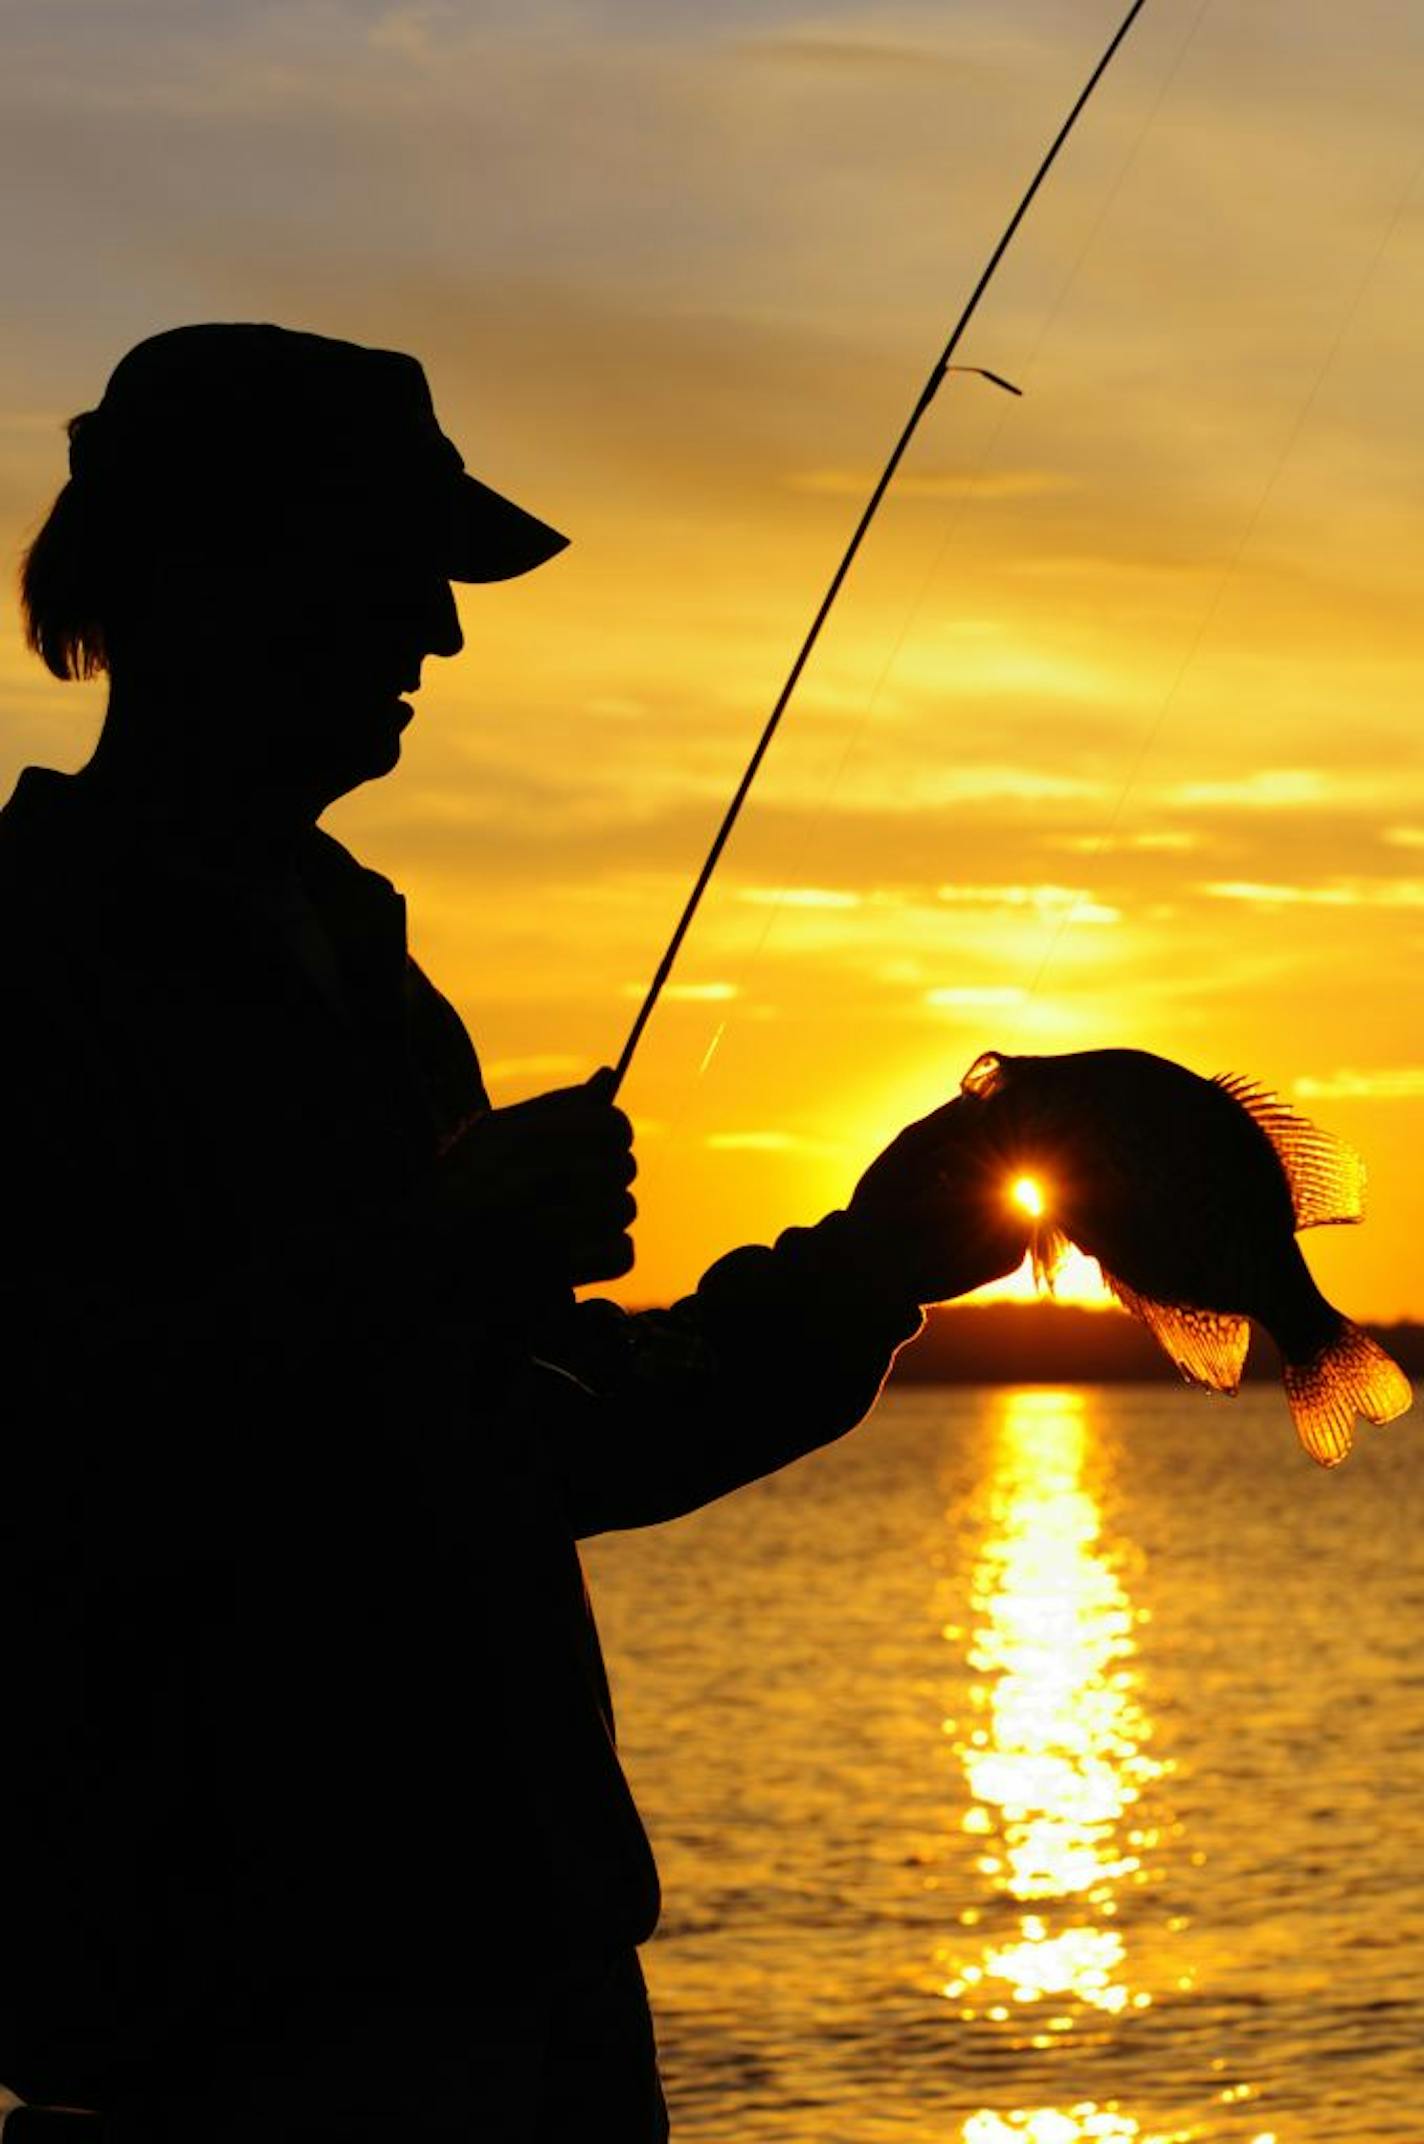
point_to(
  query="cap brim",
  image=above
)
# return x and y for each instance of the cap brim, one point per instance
(492, 539)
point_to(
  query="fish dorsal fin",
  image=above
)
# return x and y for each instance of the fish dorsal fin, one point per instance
(1208, 1346)
(1326, 1177)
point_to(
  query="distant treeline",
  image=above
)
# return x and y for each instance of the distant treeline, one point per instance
(1049, 1343)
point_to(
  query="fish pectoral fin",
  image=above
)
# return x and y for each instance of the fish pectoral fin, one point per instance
(1048, 1248)
(1208, 1346)
(1351, 1375)
(1326, 1177)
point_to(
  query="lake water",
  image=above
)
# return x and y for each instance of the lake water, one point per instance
(1039, 1766)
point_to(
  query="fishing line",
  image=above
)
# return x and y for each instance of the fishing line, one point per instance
(927, 395)
(969, 497)
(796, 874)
(1227, 575)
(753, 954)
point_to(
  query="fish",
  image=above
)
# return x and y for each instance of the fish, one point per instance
(1188, 1192)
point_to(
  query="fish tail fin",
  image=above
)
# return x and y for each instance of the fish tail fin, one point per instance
(1350, 1375)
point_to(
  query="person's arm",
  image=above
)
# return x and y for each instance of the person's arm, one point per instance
(780, 1349)
(116, 1257)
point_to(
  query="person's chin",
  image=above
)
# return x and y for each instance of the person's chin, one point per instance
(382, 758)
(379, 749)
(367, 761)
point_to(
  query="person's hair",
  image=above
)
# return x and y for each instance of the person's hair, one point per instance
(67, 583)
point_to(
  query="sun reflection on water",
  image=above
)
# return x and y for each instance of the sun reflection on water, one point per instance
(1058, 1758)
(1052, 2125)
(1055, 1757)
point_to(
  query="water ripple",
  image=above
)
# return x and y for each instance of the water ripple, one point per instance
(1017, 1779)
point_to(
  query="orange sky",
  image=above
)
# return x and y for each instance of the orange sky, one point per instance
(1114, 736)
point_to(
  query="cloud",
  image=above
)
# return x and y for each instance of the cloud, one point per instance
(1259, 789)
(853, 52)
(412, 33)
(934, 484)
(689, 993)
(1402, 1083)
(1073, 902)
(1338, 893)
(1162, 842)
(998, 784)
(619, 707)
(815, 897)
(987, 998)
(534, 1065)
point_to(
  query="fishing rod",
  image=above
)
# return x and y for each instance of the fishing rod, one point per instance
(943, 365)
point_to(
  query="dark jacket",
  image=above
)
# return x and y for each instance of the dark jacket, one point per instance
(300, 1678)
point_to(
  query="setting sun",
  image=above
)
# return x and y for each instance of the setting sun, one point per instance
(1027, 1193)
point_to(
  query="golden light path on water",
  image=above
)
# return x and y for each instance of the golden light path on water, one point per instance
(1055, 1756)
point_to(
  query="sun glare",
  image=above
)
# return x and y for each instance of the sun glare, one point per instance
(1027, 1193)
(1057, 1766)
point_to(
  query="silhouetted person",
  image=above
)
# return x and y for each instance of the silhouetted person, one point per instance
(311, 1823)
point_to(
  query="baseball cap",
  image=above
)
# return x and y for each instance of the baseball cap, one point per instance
(235, 424)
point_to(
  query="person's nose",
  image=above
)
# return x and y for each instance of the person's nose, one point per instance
(443, 635)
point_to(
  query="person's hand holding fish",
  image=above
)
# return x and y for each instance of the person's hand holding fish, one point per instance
(932, 1207)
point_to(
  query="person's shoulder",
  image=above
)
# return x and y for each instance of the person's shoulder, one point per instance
(38, 846)
(53, 884)
(45, 821)
(32, 804)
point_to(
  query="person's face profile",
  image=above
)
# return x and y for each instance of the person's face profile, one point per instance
(338, 624)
